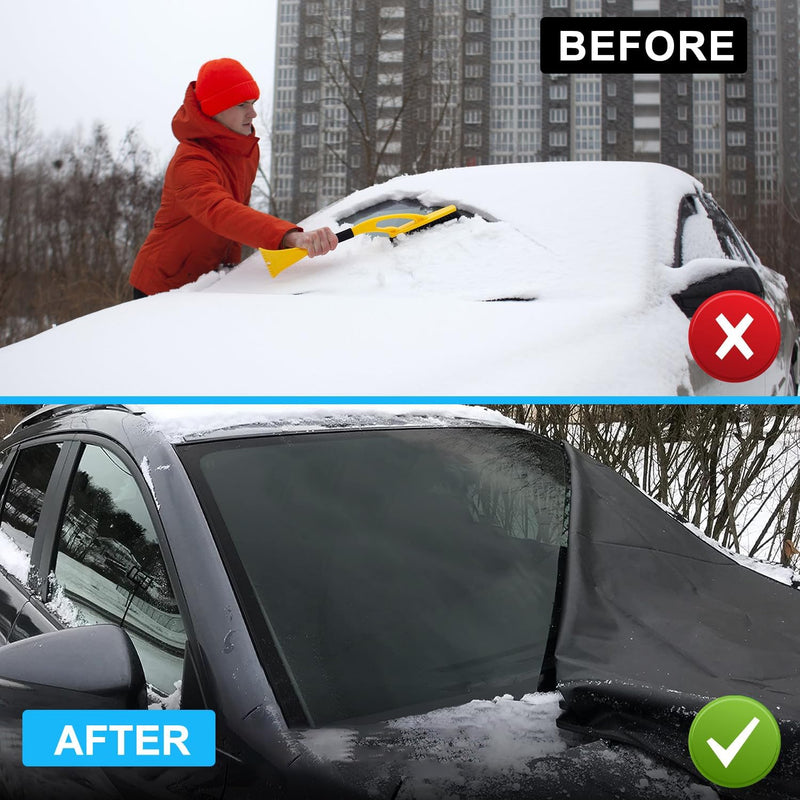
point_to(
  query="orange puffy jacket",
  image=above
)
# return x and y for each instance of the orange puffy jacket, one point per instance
(204, 216)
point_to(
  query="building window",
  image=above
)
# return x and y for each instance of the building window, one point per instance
(611, 89)
(473, 71)
(472, 116)
(473, 140)
(683, 137)
(683, 88)
(737, 113)
(474, 25)
(737, 138)
(558, 139)
(738, 186)
(558, 115)
(683, 161)
(611, 113)
(737, 163)
(683, 112)
(392, 12)
(474, 48)
(611, 137)
(473, 93)
(735, 90)
(474, 5)
(558, 4)
(559, 92)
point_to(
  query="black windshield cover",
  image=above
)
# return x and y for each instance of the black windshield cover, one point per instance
(397, 570)
(656, 623)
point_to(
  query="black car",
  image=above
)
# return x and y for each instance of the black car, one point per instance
(376, 603)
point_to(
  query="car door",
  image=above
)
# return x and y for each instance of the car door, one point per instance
(100, 544)
(107, 565)
(31, 476)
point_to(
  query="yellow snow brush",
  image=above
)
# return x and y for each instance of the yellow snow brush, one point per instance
(278, 260)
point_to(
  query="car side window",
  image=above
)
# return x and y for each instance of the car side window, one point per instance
(698, 237)
(109, 566)
(22, 503)
(729, 237)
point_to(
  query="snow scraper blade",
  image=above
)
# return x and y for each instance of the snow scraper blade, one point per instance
(278, 260)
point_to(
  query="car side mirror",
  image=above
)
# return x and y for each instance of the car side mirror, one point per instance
(91, 666)
(711, 281)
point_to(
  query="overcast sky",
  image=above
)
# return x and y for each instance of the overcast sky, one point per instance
(126, 63)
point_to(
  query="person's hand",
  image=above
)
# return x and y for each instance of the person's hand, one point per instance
(315, 243)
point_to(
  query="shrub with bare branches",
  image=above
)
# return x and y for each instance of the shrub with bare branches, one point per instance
(733, 471)
(73, 215)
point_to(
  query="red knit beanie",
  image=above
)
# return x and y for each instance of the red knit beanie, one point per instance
(223, 83)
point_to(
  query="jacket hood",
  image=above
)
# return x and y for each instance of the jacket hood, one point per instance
(190, 124)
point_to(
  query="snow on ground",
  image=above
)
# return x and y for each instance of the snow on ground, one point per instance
(566, 293)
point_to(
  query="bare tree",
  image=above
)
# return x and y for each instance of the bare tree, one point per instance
(73, 214)
(733, 471)
(17, 144)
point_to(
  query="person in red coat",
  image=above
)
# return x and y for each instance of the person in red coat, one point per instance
(204, 217)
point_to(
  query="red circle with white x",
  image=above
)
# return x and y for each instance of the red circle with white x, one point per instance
(734, 336)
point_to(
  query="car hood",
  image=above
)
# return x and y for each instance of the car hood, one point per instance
(497, 748)
(223, 345)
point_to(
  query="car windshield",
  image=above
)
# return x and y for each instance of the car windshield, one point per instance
(392, 571)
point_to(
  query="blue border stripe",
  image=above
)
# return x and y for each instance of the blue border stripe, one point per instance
(407, 399)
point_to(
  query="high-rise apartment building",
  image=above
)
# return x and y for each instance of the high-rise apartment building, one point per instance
(366, 89)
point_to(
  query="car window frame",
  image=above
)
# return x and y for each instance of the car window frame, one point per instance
(49, 517)
(727, 233)
(54, 505)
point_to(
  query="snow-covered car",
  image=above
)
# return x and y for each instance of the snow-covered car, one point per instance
(550, 279)
(384, 602)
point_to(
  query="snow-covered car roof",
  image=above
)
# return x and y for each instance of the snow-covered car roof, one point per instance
(184, 422)
(560, 283)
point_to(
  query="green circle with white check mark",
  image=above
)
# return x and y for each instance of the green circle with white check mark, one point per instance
(734, 741)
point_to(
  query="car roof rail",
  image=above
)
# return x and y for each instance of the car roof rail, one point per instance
(49, 412)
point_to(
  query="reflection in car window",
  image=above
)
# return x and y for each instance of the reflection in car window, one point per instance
(24, 495)
(109, 566)
(396, 570)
